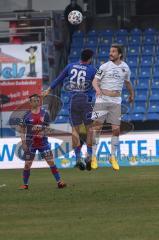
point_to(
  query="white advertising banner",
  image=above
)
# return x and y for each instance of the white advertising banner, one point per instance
(143, 145)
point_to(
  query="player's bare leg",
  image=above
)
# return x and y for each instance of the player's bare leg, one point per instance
(94, 131)
(114, 146)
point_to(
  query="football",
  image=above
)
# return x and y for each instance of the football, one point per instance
(75, 17)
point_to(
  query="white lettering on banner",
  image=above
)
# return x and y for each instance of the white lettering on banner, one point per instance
(137, 144)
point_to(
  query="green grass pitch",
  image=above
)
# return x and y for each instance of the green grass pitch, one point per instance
(96, 205)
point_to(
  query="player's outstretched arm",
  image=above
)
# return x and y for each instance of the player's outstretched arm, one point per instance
(46, 92)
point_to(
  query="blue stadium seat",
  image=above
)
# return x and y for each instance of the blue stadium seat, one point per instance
(142, 84)
(105, 41)
(141, 94)
(103, 53)
(78, 34)
(139, 107)
(133, 51)
(146, 61)
(148, 50)
(137, 116)
(145, 72)
(77, 43)
(149, 31)
(135, 41)
(73, 59)
(125, 95)
(123, 40)
(126, 117)
(154, 94)
(75, 53)
(156, 60)
(155, 84)
(152, 116)
(63, 112)
(153, 106)
(65, 99)
(135, 32)
(91, 43)
(149, 40)
(121, 32)
(132, 61)
(61, 119)
(106, 32)
(92, 33)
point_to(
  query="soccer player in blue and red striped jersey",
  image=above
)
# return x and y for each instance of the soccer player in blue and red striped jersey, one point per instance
(33, 137)
(79, 77)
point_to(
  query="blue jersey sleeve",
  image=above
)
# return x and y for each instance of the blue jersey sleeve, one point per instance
(60, 78)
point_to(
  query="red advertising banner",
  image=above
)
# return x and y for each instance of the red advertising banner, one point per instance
(18, 92)
(20, 74)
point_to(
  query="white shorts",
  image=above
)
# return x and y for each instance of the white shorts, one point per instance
(106, 111)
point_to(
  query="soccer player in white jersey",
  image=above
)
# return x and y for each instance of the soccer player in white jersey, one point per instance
(108, 83)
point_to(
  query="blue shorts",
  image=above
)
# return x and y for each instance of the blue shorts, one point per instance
(80, 110)
(45, 151)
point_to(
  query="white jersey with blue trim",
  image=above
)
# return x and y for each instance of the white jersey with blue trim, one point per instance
(112, 77)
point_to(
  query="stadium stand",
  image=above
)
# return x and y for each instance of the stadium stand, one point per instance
(141, 54)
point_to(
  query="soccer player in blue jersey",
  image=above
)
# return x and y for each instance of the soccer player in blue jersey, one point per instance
(32, 132)
(79, 85)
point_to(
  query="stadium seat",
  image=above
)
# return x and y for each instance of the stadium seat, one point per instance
(106, 32)
(145, 72)
(153, 106)
(77, 43)
(61, 119)
(149, 31)
(132, 62)
(141, 94)
(65, 99)
(133, 51)
(147, 50)
(142, 84)
(139, 107)
(91, 43)
(78, 34)
(155, 84)
(63, 112)
(137, 116)
(154, 94)
(105, 41)
(135, 32)
(121, 32)
(152, 116)
(123, 40)
(134, 41)
(126, 117)
(149, 40)
(75, 53)
(146, 61)
(103, 53)
(92, 33)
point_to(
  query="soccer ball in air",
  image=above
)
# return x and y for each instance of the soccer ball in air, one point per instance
(75, 17)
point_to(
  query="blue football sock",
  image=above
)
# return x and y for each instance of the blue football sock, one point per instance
(26, 175)
(55, 173)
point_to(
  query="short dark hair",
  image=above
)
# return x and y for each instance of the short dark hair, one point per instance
(119, 47)
(86, 54)
(34, 95)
